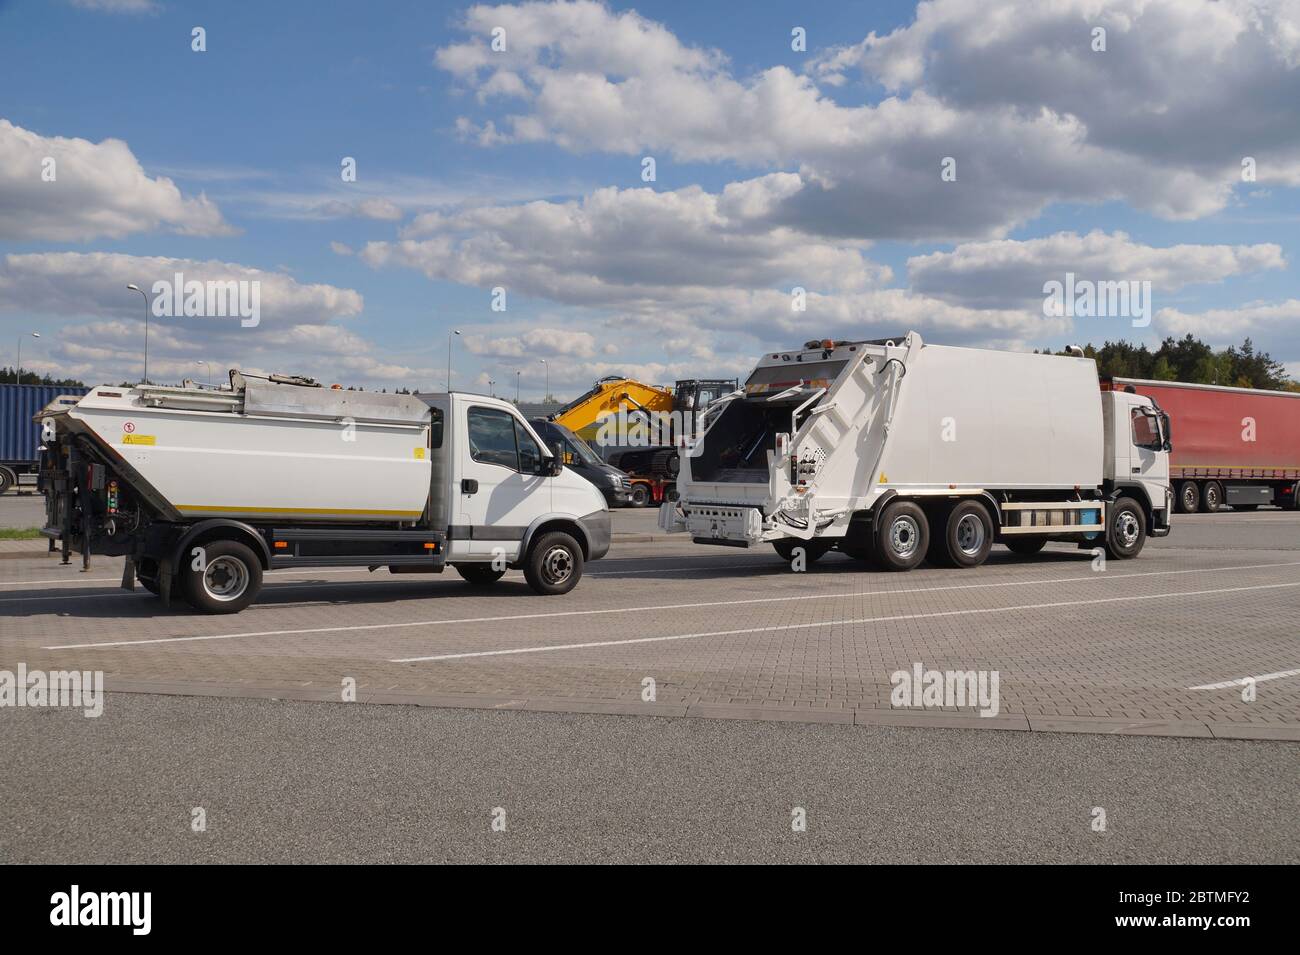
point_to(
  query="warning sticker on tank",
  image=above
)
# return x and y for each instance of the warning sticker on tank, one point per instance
(139, 439)
(419, 454)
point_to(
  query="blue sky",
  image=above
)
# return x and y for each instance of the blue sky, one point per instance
(836, 150)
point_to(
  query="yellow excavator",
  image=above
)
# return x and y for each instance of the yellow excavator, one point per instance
(650, 469)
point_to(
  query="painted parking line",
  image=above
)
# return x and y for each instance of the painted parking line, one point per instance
(836, 623)
(1242, 681)
(662, 607)
(118, 578)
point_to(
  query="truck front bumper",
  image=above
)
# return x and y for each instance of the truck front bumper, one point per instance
(599, 528)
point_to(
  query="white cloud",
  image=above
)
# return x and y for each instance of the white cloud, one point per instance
(98, 190)
(1007, 273)
(1279, 321)
(621, 248)
(117, 6)
(1013, 93)
(94, 283)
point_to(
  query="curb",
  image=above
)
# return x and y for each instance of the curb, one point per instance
(310, 693)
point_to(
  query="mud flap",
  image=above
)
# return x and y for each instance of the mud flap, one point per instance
(128, 574)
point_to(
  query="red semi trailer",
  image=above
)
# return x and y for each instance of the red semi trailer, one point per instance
(1234, 446)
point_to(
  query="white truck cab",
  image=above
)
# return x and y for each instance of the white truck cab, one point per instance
(504, 484)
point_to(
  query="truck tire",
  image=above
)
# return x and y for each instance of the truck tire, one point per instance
(1025, 546)
(479, 575)
(1211, 496)
(641, 495)
(8, 479)
(966, 536)
(902, 536)
(1126, 529)
(813, 550)
(229, 582)
(1189, 497)
(554, 564)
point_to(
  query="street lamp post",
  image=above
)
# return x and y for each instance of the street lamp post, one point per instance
(548, 380)
(18, 372)
(209, 365)
(517, 374)
(492, 391)
(454, 331)
(137, 288)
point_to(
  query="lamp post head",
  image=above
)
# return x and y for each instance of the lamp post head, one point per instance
(36, 334)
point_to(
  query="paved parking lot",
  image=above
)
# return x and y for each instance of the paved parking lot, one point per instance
(1154, 645)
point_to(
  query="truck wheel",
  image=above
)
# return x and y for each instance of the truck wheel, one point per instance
(813, 550)
(966, 539)
(640, 495)
(1189, 497)
(554, 564)
(479, 575)
(1212, 496)
(7, 479)
(1126, 529)
(229, 582)
(902, 536)
(1025, 546)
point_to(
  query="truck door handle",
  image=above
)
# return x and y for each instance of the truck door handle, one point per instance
(1137, 470)
(468, 486)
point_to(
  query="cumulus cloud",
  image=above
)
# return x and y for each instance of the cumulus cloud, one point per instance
(1279, 321)
(622, 248)
(98, 190)
(1007, 273)
(94, 283)
(1030, 113)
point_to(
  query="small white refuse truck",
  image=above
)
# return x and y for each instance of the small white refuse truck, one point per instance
(204, 489)
(898, 452)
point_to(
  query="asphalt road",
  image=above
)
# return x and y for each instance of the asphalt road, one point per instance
(321, 782)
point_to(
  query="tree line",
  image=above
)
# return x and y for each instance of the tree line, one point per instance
(8, 376)
(1191, 360)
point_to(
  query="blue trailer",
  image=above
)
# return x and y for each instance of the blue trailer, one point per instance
(20, 436)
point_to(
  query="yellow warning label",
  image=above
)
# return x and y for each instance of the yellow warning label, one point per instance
(419, 454)
(139, 439)
(883, 479)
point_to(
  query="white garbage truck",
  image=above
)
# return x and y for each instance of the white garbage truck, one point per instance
(895, 452)
(204, 489)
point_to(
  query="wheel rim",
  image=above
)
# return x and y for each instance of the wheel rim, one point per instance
(1189, 498)
(970, 535)
(1212, 497)
(557, 565)
(904, 536)
(225, 578)
(1127, 528)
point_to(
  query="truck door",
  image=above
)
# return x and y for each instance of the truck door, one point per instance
(1148, 462)
(500, 490)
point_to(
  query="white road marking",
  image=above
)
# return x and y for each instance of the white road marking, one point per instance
(833, 623)
(1281, 674)
(118, 579)
(661, 607)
